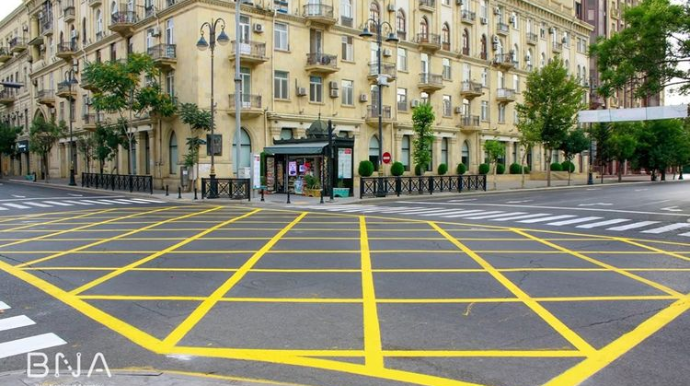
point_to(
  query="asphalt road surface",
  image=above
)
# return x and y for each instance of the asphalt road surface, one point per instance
(326, 298)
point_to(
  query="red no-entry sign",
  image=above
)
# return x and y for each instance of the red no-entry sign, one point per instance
(386, 158)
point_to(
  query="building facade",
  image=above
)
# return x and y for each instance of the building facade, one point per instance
(300, 60)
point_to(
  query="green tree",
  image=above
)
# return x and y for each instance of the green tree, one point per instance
(622, 143)
(108, 141)
(422, 119)
(575, 142)
(8, 141)
(199, 120)
(600, 133)
(43, 135)
(495, 150)
(528, 137)
(86, 146)
(657, 145)
(551, 102)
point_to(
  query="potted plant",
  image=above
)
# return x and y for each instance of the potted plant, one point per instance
(341, 190)
(313, 188)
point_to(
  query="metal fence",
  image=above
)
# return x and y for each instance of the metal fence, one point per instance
(117, 182)
(382, 186)
(232, 188)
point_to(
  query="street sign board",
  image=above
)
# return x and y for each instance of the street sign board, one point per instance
(386, 158)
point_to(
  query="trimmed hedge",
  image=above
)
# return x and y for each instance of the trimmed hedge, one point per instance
(397, 169)
(419, 170)
(515, 168)
(461, 169)
(484, 168)
(556, 167)
(527, 169)
(366, 168)
(500, 169)
(442, 169)
(568, 166)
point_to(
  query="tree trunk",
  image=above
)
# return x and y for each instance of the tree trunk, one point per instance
(620, 172)
(130, 154)
(548, 168)
(45, 167)
(663, 174)
(522, 171)
(495, 168)
(0, 164)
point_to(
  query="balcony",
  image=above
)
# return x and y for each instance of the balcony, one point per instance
(123, 23)
(465, 51)
(430, 82)
(532, 38)
(373, 115)
(346, 21)
(46, 97)
(68, 12)
(250, 52)
(387, 69)
(505, 61)
(36, 40)
(427, 5)
(66, 51)
(250, 105)
(429, 41)
(468, 16)
(469, 123)
(164, 56)
(505, 95)
(7, 97)
(502, 28)
(318, 63)
(85, 85)
(90, 121)
(5, 54)
(470, 89)
(100, 35)
(95, 3)
(170, 3)
(319, 13)
(17, 45)
(46, 26)
(67, 90)
(557, 47)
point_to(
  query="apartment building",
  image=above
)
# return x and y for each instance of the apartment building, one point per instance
(300, 61)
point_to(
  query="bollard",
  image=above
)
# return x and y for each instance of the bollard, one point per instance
(195, 196)
(179, 192)
(288, 194)
(167, 193)
(262, 195)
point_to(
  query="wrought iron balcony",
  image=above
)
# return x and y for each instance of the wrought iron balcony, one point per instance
(388, 69)
(470, 89)
(468, 16)
(66, 51)
(17, 44)
(250, 52)
(502, 28)
(427, 5)
(320, 63)
(46, 97)
(430, 82)
(557, 47)
(532, 38)
(95, 3)
(67, 90)
(90, 121)
(346, 21)
(505, 95)
(164, 55)
(46, 24)
(5, 54)
(469, 123)
(123, 22)
(8, 97)
(250, 105)
(505, 61)
(373, 115)
(320, 13)
(428, 41)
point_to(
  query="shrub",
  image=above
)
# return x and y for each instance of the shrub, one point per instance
(366, 168)
(556, 167)
(442, 169)
(484, 169)
(397, 169)
(419, 170)
(461, 169)
(527, 169)
(515, 168)
(568, 166)
(500, 169)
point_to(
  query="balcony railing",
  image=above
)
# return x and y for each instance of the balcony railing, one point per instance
(502, 28)
(46, 25)
(68, 11)
(428, 4)
(63, 48)
(7, 96)
(5, 54)
(505, 94)
(46, 96)
(100, 35)
(557, 46)
(346, 21)
(251, 49)
(373, 112)
(532, 38)
(95, 3)
(468, 16)
(505, 60)
(431, 79)
(93, 118)
(319, 10)
(17, 42)
(163, 51)
(471, 87)
(429, 39)
(149, 11)
(248, 101)
(322, 60)
(124, 17)
(170, 3)
(67, 87)
(469, 121)
(389, 69)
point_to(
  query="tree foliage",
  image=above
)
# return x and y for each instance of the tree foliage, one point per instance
(43, 135)
(495, 150)
(575, 142)
(8, 141)
(422, 120)
(622, 143)
(660, 145)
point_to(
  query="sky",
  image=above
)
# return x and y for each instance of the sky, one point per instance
(7, 6)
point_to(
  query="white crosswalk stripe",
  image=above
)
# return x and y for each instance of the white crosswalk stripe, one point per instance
(95, 202)
(511, 218)
(573, 221)
(667, 228)
(38, 204)
(473, 212)
(54, 202)
(16, 206)
(15, 322)
(78, 203)
(603, 223)
(2, 208)
(28, 344)
(635, 225)
(543, 219)
(484, 217)
(57, 203)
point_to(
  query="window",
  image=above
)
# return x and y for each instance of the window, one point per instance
(446, 68)
(516, 82)
(348, 51)
(113, 52)
(424, 28)
(169, 32)
(280, 85)
(83, 32)
(445, 35)
(149, 39)
(424, 97)
(374, 13)
(346, 12)
(147, 153)
(402, 59)
(245, 150)
(566, 39)
(374, 151)
(515, 20)
(444, 151)
(348, 95)
(170, 86)
(501, 80)
(466, 110)
(99, 25)
(315, 89)
(501, 113)
(485, 77)
(446, 2)
(405, 153)
(483, 10)
(286, 133)
(465, 156)
(281, 36)
(485, 111)
(401, 24)
(528, 60)
(172, 153)
(447, 105)
(466, 42)
(542, 31)
(484, 53)
(402, 99)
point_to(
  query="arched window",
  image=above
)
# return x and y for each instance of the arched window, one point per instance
(374, 14)
(346, 8)
(405, 154)
(172, 153)
(424, 29)
(484, 53)
(567, 66)
(465, 157)
(466, 42)
(514, 54)
(99, 23)
(543, 60)
(62, 37)
(528, 59)
(113, 8)
(445, 34)
(245, 149)
(374, 151)
(444, 151)
(83, 31)
(401, 24)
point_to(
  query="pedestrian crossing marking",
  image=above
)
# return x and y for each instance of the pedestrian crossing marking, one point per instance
(636, 225)
(30, 344)
(15, 322)
(522, 217)
(603, 223)
(37, 204)
(16, 206)
(543, 219)
(90, 201)
(667, 228)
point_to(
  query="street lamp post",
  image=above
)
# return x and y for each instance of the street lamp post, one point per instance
(69, 78)
(203, 45)
(381, 80)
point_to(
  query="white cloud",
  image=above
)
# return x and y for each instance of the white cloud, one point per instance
(7, 6)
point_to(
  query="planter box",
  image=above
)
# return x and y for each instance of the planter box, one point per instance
(312, 192)
(341, 192)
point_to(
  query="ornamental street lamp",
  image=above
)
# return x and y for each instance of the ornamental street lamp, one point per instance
(381, 80)
(203, 45)
(70, 79)
(590, 177)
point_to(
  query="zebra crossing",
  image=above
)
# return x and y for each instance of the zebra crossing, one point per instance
(543, 218)
(37, 203)
(26, 344)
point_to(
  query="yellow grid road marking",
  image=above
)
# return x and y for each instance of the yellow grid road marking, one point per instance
(372, 329)
(547, 316)
(653, 249)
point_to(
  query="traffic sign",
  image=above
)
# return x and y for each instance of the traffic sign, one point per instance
(386, 158)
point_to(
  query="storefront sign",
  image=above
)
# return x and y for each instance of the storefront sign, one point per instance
(23, 146)
(345, 163)
(292, 168)
(214, 143)
(256, 171)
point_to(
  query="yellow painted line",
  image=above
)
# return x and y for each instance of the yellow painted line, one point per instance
(372, 330)
(483, 354)
(605, 356)
(547, 316)
(144, 371)
(605, 298)
(114, 238)
(153, 256)
(141, 298)
(653, 249)
(37, 216)
(449, 301)
(602, 264)
(195, 317)
(69, 269)
(229, 300)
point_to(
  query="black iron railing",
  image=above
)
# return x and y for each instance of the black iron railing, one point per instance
(382, 186)
(117, 182)
(232, 188)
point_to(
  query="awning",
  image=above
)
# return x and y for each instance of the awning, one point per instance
(297, 148)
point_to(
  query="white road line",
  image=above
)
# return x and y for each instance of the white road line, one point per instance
(469, 213)
(522, 217)
(15, 322)
(667, 228)
(38, 204)
(16, 206)
(443, 212)
(26, 345)
(484, 217)
(4, 306)
(573, 221)
(603, 223)
(75, 195)
(78, 203)
(416, 211)
(95, 202)
(634, 225)
(109, 202)
(17, 196)
(122, 200)
(462, 212)
(58, 203)
(542, 219)
(149, 200)
(1, 208)
(685, 234)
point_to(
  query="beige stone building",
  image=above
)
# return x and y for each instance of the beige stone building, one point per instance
(300, 59)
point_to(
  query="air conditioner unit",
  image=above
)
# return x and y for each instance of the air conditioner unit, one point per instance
(512, 18)
(333, 85)
(484, 20)
(334, 93)
(497, 11)
(414, 103)
(363, 98)
(391, 7)
(258, 28)
(458, 110)
(156, 32)
(301, 91)
(387, 52)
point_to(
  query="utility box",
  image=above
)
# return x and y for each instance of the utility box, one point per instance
(184, 176)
